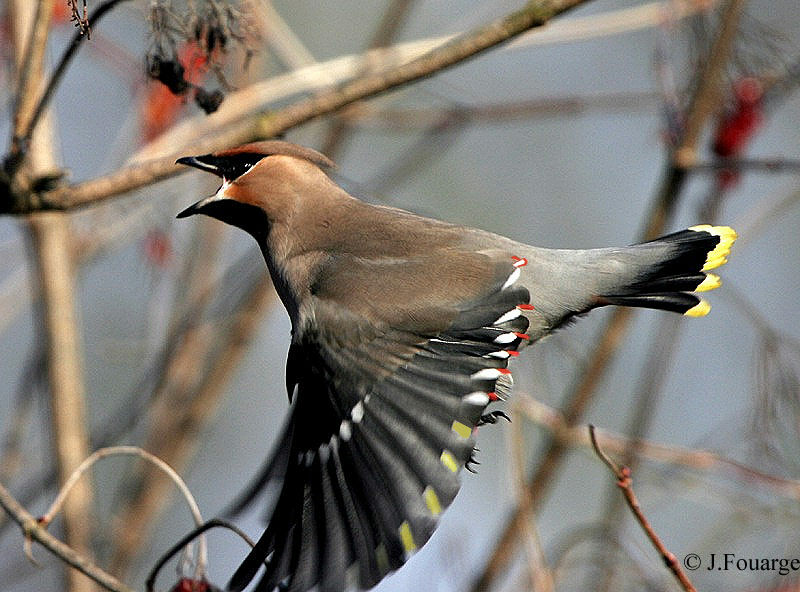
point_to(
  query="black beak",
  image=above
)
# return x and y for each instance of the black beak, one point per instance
(190, 211)
(204, 163)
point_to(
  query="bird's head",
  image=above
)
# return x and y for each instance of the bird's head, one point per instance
(261, 183)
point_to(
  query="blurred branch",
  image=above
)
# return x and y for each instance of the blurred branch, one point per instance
(625, 482)
(30, 55)
(194, 388)
(25, 128)
(748, 164)
(373, 116)
(30, 381)
(538, 573)
(620, 21)
(51, 239)
(576, 436)
(706, 98)
(224, 295)
(282, 40)
(32, 530)
(393, 17)
(67, 406)
(261, 125)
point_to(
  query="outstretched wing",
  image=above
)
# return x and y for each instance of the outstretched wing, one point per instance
(385, 408)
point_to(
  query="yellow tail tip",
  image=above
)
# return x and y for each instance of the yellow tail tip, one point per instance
(719, 255)
(712, 282)
(700, 309)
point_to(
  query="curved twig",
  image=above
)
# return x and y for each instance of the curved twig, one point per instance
(213, 523)
(55, 507)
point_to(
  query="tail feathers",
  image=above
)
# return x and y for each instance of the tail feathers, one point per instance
(671, 283)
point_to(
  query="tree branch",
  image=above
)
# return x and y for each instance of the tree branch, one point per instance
(625, 482)
(575, 436)
(25, 130)
(176, 422)
(261, 125)
(31, 529)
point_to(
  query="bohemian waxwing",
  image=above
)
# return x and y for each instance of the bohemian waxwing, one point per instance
(402, 329)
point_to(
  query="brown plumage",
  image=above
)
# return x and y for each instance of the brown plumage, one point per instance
(402, 328)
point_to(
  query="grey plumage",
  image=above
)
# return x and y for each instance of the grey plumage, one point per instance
(402, 328)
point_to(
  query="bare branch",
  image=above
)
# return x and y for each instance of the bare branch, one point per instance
(534, 14)
(625, 482)
(97, 455)
(771, 165)
(699, 460)
(24, 132)
(32, 529)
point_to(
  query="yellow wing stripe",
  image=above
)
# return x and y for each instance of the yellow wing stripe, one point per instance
(449, 461)
(432, 501)
(461, 429)
(408, 539)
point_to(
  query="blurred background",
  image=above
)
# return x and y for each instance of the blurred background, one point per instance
(586, 133)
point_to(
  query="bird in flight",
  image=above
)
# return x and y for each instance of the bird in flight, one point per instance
(402, 331)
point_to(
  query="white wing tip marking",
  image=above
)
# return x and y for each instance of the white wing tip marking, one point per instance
(512, 278)
(345, 430)
(509, 316)
(357, 412)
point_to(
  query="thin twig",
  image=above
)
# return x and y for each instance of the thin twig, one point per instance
(32, 530)
(97, 455)
(625, 482)
(772, 165)
(26, 132)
